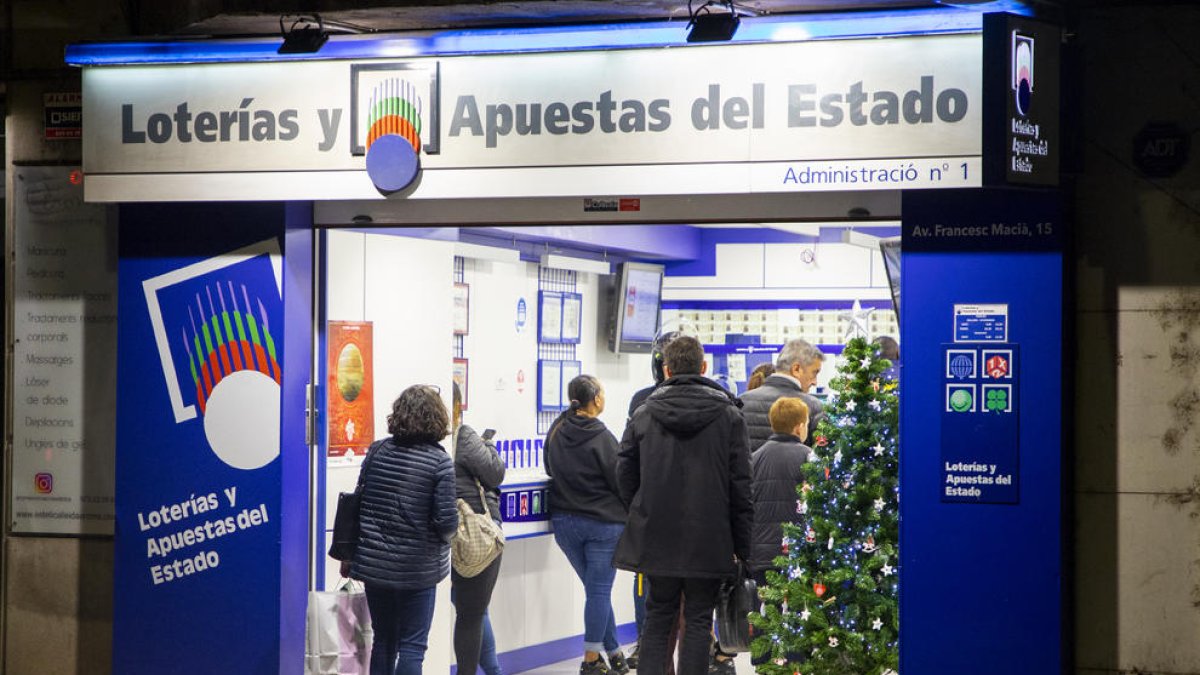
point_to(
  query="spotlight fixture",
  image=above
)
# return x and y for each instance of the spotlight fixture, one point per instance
(306, 35)
(708, 26)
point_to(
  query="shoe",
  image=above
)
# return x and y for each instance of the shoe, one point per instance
(632, 659)
(617, 663)
(592, 667)
(725, 667)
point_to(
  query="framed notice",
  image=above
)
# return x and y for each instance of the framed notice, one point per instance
(550, 389)
(462, 309)
(572, 317)
(61, 480)
(351, 389)
(550, 317)
(460, 377)
(570, 371)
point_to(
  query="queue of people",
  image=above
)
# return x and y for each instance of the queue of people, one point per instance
(700, 482)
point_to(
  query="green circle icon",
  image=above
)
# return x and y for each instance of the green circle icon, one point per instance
(960, 400)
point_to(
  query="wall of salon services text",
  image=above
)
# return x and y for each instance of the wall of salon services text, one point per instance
(211, 476)
(837, 115)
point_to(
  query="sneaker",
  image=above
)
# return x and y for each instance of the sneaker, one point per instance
(617, 663)
(718, 667)
(632, 659)
(592, 667)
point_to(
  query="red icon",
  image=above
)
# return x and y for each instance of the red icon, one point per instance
(997, 367)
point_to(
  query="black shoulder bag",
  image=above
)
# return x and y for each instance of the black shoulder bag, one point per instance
(345, 520)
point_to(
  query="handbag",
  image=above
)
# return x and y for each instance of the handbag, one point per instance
(339, 635)
(344, 541)
(478, 540)
(736, 599)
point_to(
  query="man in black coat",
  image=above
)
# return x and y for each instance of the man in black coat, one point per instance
(796, 370)
(684, 469)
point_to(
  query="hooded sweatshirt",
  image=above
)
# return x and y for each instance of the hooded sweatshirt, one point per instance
(684, 469)
(580, 456)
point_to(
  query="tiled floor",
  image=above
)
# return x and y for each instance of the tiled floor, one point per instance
(572, 667)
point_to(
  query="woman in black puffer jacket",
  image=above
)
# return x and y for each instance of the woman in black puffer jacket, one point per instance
(407, 518)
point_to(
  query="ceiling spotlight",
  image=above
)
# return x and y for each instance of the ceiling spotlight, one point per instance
(306, 35)
(708, 26)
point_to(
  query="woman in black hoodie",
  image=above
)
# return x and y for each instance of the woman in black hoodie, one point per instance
(588, 514)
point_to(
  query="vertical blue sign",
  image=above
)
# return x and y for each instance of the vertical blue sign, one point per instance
(981, 566)
(200, 490)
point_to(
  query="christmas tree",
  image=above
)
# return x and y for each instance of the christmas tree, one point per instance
(834, 609)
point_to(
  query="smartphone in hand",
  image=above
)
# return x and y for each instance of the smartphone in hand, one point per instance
(488, 434)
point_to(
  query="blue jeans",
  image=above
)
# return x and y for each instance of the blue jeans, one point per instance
(487, 650)
(589, 545)
(401, 621)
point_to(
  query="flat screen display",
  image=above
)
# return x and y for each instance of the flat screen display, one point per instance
(890, 248)
(640, 306)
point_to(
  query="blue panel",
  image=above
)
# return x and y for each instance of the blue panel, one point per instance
(542, 39)
(297, 374)
(981, 584)
(174, 452)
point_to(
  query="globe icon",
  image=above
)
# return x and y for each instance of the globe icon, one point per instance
(961, 366)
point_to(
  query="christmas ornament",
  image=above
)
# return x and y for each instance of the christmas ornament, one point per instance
(810, 536)
(869, 545)
(875, 405)
(833, 642)
(822, 441)
(805, 614)
(875, 385)
(857, 316)
(801, 506)
(878, 448)
(837, 457)
(851, 406)
(887, 570)
(819, 589)
(877, 623)
(830, 547)
(879, 504)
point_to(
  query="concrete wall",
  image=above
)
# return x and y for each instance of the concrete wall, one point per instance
(1137, 456)
(57, 591)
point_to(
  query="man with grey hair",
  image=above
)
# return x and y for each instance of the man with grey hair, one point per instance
(796, 371)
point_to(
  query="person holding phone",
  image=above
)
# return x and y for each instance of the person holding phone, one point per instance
(476, 465)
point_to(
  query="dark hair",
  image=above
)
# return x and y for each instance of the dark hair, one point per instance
(582, 391)
(656, 354)
(418, 414)
(683, 356)
(759, 374)
(888, 348)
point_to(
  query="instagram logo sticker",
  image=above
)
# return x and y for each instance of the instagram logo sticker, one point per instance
(43, 483)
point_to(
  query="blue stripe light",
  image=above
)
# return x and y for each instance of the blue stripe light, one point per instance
(544, 38)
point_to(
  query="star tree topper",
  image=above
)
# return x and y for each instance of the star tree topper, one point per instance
(857, 316)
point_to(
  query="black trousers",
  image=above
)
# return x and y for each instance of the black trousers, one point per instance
(662, 610)
(471, 598)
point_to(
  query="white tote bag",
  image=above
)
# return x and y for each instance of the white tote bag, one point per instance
(339, 632)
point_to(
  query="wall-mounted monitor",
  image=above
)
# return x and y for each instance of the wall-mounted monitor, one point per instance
(635, 313)
(890, 248)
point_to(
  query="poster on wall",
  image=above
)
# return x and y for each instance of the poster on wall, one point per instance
(462, 309)
(64, 356)
(198, 537)
(351, 388)
(460, 376)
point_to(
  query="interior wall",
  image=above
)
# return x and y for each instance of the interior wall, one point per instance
(1137, 369)
(393, 282)
(403, 285)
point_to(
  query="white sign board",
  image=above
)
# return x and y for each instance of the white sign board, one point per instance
(64, 357)
(779, 117)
